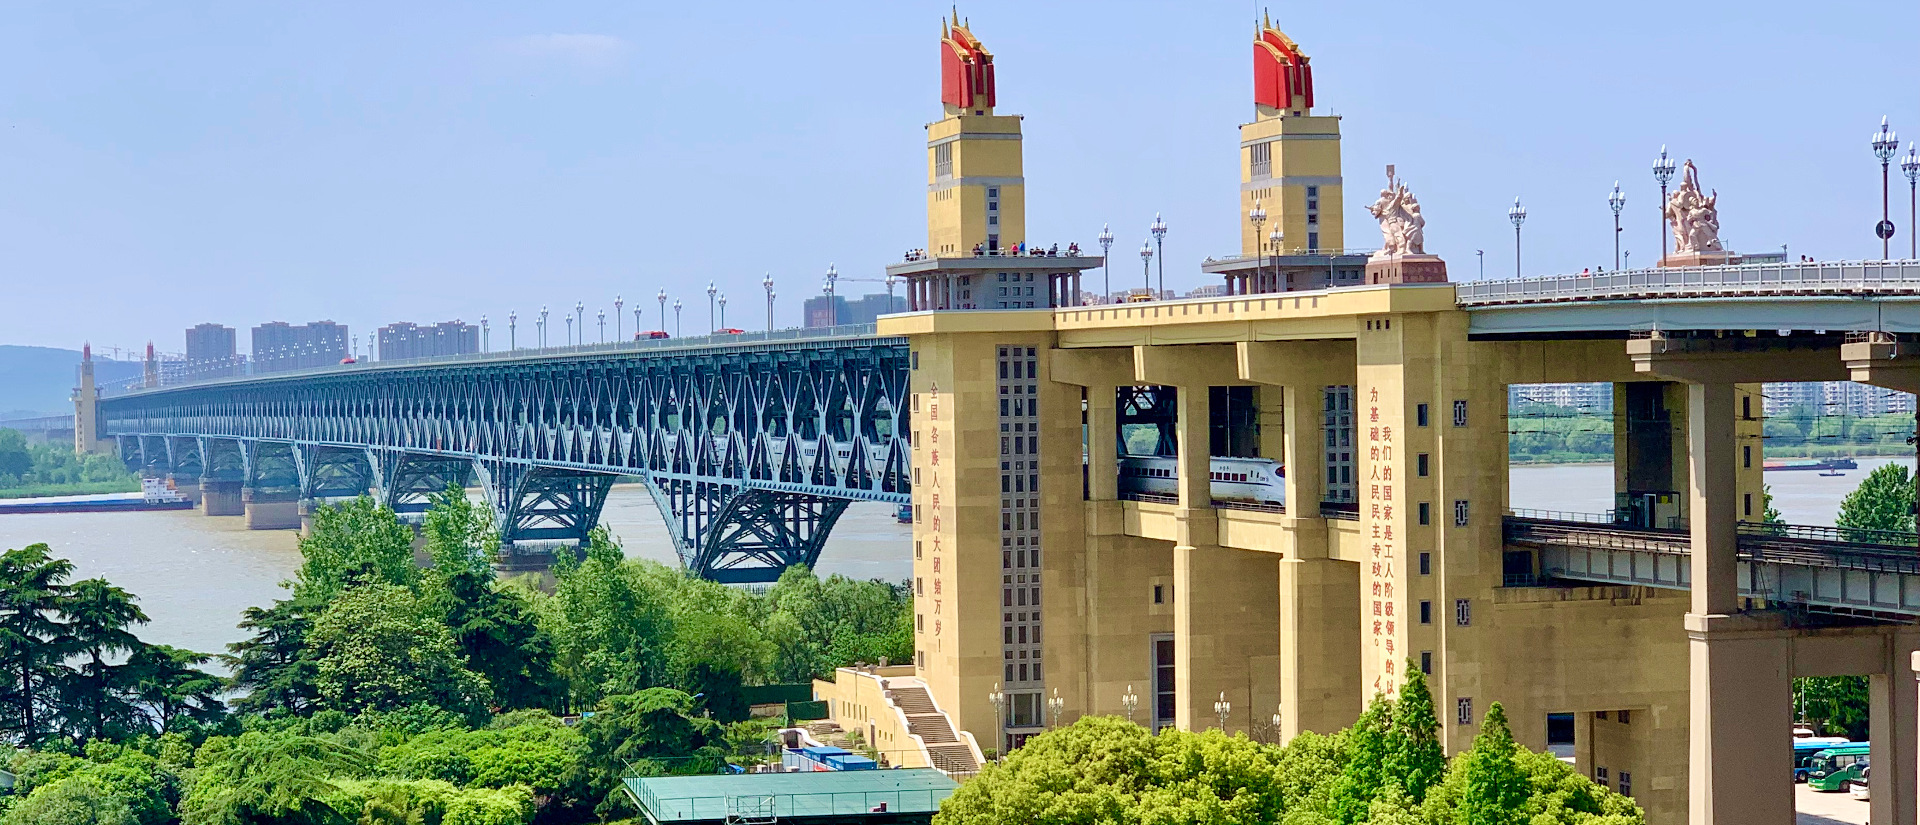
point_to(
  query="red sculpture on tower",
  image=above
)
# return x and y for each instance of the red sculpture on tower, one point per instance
(1281, 75)
(966, 68)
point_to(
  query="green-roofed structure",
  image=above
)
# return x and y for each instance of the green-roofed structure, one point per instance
(869, 797)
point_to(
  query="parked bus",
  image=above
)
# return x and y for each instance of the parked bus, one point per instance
(1833, 769)
(1805, 747)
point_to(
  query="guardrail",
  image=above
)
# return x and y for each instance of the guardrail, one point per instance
(1791, 278)
(1798, 544)
(798, 334)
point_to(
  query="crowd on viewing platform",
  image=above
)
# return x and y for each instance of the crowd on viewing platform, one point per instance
(1015, 251)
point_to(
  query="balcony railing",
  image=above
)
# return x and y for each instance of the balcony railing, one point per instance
(1790, 278)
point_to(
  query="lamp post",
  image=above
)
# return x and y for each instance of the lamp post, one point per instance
(570, 331)
(543, 326)
(618, 320)
(603, 325)
(513, 321)
(833, 306)
(1885, 143)
(1518, 214)
(676, 317)
(1482, 255)
(1159, 230)
(1663, 172)
(636, 321)
(723, 311)
(999, 701)
(663, 309)
(768, 283)
(1277, 718)
(1258, 216)
(484, 343)
(1146, 268)
(1910, 164)
(1130, 702)
(1223, 707)
(1274, 240)
(580, 311)
(712, 322)
(1055, 705)
(1106, 246)
(1616, 201)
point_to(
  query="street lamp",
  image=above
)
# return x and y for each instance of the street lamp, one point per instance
(619, 333)
(636, 321)
(1885, 143)
(603, 324)
(663, 309)
(833, 306)
(483, 334)
(676, 317)
(999, 701)
(1258, 216)
(570, 331)
(1106, 246)
(1482, 255)
(1663, 172)
(580, 309)
(1223, 707)
(1274, 240)
(768, 283)
(1277, 718)
(1146, 267)
(723, 311)
(1055, 705)
(1159, 230)
(513, 321)
(1616, 201)
(543, 326)
(711, 291)
(1910, 164)
(1518, 214)
(1130, 702)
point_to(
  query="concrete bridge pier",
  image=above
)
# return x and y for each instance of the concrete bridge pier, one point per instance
(221, 497)
(267, 510)
(186, 485)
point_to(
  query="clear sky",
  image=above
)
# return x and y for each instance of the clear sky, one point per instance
(163, 164)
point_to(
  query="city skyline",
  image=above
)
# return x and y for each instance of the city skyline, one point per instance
(282, 164)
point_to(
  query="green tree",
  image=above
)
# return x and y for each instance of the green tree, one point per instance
(1882, 502)
(275, 668)
(1768, 513)
(1494, 788)
(76, 800)
(653, 730)
(271, 779)
(1370, 743)
(496, 628)
(355, 539)
(376, 648)
(33, 643)
(1417, 761)
(1838, 703)
(95, 698)
(610, 621)
(15, 459)
(171, 688)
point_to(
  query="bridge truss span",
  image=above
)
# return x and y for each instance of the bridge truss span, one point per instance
(751, 451)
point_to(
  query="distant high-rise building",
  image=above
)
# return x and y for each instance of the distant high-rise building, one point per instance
(1834, 398)
(818, 312)
(407, 340)
(211, 352)
(279, 346)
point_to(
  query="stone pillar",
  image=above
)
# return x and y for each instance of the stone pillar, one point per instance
(221, 498)
(1714, 509)
(1891, 699)
(271, 512)
(186, 486)
(1103, 444)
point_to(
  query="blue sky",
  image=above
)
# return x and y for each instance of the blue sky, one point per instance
(163, 164)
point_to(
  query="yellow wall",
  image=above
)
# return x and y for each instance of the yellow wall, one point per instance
(985, 152)
(1304, 149)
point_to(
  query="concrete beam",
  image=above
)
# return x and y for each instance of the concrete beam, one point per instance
(1200, 366)
(1295, 363)
(1735, 360)
(1110, 367)
(1889, 364)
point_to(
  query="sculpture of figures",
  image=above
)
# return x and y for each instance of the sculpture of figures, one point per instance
(1402, 227)
(1695, 216)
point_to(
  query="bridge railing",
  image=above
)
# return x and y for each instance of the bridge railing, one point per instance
(778, 336)
(1804, 544)
(1788, 278)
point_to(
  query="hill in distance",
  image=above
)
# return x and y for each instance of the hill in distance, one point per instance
(36, 381)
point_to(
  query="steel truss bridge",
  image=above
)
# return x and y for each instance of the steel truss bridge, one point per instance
(751, 445)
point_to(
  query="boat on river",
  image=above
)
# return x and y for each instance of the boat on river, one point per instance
(1821, 464)
(154, 495)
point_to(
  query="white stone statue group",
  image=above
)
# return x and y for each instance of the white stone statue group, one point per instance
(1403, 231)
(1695, 216)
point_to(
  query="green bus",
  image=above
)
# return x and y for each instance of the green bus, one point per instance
(1834, 769)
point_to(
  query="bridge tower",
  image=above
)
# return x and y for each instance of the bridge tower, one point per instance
(1289, 156)
(86, 410)
(976, 194)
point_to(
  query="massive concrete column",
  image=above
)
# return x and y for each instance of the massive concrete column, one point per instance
(220, 497)
(1226, 602)
(1891, 698)
(1712, 484)
(271, 511)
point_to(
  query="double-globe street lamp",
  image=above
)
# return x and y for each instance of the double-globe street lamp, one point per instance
(662, 297)
(1258, 217)
(543, 326)
(768, 283)
(1663, 172)
(1146, 268)
(1159, 231)
(676, 317)
(712, 323)
(1518, 214)
(1885, 143)
(1910, 164)
(619, 320)
(999, 701)
(485, 343)
(1222, 708)
(1106, 248)
(833, 306)
(1130, 702)
(1616, 201)
(513, 321)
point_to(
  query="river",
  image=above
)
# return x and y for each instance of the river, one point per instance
(195, 574)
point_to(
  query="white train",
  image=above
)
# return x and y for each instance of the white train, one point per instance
(1247, 480)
